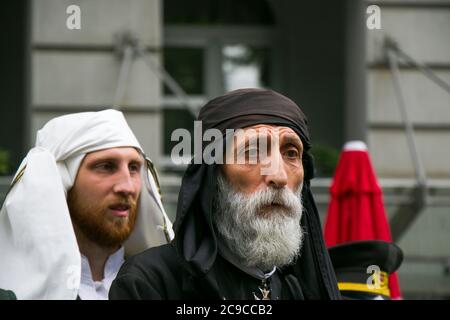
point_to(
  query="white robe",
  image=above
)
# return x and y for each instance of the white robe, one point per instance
(39, 253)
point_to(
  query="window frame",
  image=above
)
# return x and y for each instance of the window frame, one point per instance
(211, 39)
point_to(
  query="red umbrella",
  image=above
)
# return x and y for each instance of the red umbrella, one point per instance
(356, 211)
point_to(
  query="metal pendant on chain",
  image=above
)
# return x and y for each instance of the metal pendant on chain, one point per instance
(265, 291)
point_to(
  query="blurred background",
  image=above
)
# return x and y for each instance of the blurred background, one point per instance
(161, 60)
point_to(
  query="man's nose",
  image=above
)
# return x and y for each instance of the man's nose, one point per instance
(124, 183)
(275, 174)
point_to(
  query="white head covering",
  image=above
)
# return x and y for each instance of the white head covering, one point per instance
(39, 254)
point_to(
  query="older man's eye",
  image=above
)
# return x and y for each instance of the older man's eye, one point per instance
(252, 155)
(292, 154)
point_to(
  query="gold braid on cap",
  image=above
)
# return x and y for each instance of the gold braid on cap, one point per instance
(16, 179)
(154, 173)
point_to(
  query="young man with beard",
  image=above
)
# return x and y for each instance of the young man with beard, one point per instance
(243, 230)
(82, 199)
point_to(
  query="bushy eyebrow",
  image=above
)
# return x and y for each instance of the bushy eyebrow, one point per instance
(285, 139)
(292, 139)
(252, 141)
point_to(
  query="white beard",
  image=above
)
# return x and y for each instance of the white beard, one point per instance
(260, 240)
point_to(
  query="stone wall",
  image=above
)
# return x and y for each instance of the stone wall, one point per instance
(78, 70)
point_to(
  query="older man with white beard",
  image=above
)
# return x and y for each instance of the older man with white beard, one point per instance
(260, 233)
(257, 216)
(244, 230)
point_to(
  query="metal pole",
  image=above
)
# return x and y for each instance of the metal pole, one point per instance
(128, 47)
(425, 70)
(420, 172)
(125, 67)
(355, 71)
(168, 80)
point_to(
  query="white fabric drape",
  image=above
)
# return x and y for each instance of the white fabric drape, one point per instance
(39, 254)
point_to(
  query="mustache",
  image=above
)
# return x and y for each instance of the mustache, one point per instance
(122, 201)
(262, 202)
(284, 198)
(260, 236)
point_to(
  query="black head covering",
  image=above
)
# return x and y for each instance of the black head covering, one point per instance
(195, 239)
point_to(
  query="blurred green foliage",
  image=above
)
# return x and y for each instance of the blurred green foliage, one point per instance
(325, 160)
(4, 162)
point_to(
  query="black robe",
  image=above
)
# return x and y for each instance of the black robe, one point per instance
(191, 267)
(158, 273)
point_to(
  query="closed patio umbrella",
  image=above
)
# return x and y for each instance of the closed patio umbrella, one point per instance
(356, 210)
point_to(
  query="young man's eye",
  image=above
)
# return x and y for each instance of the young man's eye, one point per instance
(104, 167)
(135, 168)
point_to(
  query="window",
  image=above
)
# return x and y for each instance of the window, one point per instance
(186, 66)
(217, 12)
(211, 47)
(245, 66)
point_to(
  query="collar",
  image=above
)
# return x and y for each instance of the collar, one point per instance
(112, 265)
